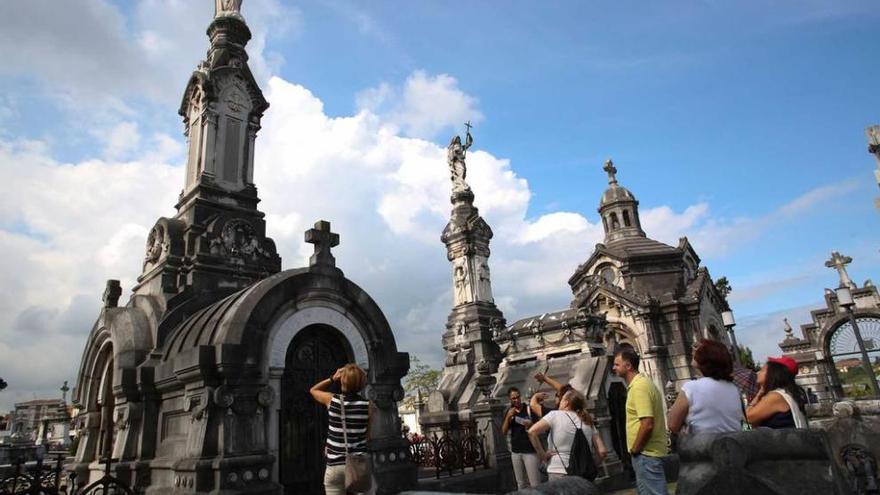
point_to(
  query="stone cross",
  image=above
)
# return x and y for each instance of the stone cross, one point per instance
(323, 240)
(839, 263)
(612, 172)
(64, 390)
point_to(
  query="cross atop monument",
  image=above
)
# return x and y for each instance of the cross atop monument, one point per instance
(64, 389)
(323, 240)
(612, 172)
(839, 263)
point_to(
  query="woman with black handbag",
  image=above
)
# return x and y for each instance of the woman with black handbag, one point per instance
(348, 466)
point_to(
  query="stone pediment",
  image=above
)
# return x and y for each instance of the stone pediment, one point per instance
(595, 286)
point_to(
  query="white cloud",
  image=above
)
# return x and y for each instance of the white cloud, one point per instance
(763, 332)
(122, 139)
(424, 106)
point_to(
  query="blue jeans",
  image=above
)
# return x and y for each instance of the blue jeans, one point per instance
(650, 477)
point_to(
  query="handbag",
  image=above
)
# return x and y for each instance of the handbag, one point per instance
(358, 475)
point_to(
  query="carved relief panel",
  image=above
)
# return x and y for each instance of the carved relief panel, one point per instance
(232, 139)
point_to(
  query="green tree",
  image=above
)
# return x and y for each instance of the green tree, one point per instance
(747, 359)
(421, 377)
(722, 285)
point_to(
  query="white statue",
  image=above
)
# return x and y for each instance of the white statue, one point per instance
(484, 284)
(226, 7)
(455, 156)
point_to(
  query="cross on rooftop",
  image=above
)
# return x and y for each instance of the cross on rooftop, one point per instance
(323, 240)
(839, 263)
(64, 390)
(612, 172)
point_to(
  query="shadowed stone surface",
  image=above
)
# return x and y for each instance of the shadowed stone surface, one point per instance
(758, 462)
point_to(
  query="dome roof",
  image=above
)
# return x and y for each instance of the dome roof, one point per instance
(616, 193)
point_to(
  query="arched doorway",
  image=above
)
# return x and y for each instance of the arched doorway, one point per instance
(314, 354)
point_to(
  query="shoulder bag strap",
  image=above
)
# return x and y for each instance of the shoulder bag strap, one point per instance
(554, 443)
(344, 429)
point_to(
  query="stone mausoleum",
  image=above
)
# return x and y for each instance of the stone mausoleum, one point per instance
(199, 382)
(631, 290)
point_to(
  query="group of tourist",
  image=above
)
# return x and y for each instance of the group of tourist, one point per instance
(710, 404)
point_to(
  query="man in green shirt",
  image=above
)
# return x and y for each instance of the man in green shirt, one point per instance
(645, 424)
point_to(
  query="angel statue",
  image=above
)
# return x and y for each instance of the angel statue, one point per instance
(455, 155)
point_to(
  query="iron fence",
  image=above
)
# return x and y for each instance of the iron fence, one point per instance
(37, 479)
(452, 452)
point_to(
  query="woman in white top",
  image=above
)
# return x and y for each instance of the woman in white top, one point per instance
(563, 423)
(711, 403)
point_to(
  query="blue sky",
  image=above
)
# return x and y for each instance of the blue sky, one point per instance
(738, 124)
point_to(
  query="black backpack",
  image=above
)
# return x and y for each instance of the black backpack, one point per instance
(580, 459)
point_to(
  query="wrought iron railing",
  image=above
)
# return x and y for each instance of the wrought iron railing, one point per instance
(106, 485)
(452, 452)
(37, 479)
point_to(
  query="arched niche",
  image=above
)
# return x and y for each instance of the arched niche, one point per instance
(846, 355)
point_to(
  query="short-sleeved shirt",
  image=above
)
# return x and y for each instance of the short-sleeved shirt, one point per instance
(713, 406)
(519, 437)
(563, 425)
(643, 400)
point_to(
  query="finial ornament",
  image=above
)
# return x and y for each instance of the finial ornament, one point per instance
(839, 262)
(455, 156)
(612, 172)
(788, 330)
(227, 8)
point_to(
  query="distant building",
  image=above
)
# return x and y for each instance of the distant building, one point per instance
(42, 420)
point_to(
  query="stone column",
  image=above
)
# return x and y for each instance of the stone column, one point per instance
(488, 416)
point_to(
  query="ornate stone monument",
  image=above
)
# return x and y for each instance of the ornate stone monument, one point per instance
(200, 382)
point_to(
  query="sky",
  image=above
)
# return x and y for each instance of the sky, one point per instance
(737, 124)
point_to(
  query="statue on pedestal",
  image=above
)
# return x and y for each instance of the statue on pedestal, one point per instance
(455, 156)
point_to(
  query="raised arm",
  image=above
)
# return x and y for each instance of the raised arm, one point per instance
(319, 390)
(541, 377)
(535, 403)
(764, 407)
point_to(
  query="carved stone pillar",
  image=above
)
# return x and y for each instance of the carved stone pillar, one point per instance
(393, 468)
(488, 415)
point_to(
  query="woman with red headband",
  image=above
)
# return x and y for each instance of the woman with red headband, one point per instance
(780, 401)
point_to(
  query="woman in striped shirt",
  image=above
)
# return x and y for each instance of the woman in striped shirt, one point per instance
(352, 380)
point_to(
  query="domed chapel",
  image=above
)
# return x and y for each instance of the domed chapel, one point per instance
(199, 383)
